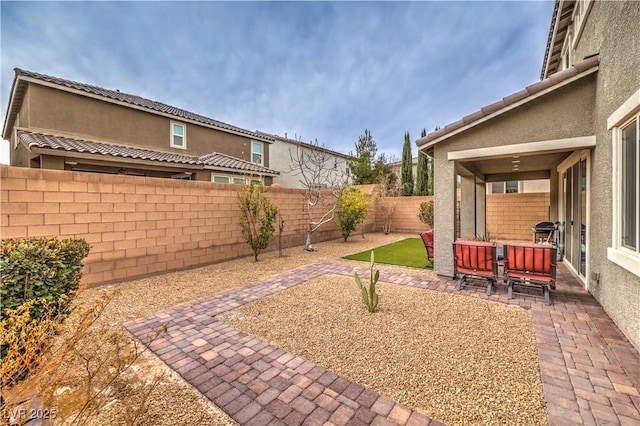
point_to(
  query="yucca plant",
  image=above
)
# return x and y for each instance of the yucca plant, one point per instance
(369, 295)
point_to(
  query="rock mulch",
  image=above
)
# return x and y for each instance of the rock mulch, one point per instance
(459, 360)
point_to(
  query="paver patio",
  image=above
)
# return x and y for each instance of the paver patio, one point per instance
(589, 370)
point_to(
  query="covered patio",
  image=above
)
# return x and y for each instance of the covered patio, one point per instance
(544, 131)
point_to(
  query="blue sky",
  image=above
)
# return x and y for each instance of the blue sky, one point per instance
(316, 70)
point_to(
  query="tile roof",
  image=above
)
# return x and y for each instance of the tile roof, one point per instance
(211, 160)
(117, 95)
(555, 79)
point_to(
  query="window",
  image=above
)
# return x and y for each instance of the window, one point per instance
(237, 180)
(630, 165)
(625, 126)
(509, 187)
(497, 187)
(566, 53)
(221, 179)
(257, 153)
(178, 135)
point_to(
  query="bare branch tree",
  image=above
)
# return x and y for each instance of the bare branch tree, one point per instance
(323, 181)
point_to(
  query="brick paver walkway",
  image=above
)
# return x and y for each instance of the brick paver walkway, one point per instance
(589, 370)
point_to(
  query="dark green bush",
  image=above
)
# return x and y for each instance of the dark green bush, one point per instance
(40, 268)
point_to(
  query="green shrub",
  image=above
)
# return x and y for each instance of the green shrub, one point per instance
(257, 215)
(426, 213)
(40, 268)
(352, 210)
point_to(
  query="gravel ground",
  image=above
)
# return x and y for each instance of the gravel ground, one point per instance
(175, 401)
(479, 358)
(456, 359)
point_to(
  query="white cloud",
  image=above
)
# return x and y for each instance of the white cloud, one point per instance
(319, 70)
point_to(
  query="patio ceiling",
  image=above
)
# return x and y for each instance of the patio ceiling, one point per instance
(500, 169)
(518, 161)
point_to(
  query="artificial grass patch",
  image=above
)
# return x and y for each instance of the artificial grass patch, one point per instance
(407, 252)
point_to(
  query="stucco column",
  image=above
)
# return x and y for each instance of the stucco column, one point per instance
(444, 186)
(467, 207)
(481, 207)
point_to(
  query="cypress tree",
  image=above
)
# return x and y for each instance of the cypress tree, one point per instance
(407, 167)
(422, 178)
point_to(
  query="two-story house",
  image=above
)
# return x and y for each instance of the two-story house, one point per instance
(579, 127)
(283, 155)
(60, 124)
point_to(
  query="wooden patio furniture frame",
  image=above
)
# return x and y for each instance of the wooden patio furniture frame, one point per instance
(530, 265)
(475, 260)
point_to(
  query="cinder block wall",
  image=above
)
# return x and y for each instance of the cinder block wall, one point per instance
(511, 216)
(136, 225)
(405, 217)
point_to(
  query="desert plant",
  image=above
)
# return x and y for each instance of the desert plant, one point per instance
(44, 269)
(483, 237)
(426, 213)
(369, 295)
(388, 189)
(87, 368)
(352, 210)
(257, 216)
(280, 230)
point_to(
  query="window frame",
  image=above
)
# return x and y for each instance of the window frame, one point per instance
(627, 114)
(172, 134)
(261, 153)
(235, 179)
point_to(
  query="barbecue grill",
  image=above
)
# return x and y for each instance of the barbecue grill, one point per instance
(546, 231)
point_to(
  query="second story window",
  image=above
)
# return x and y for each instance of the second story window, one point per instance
(257, 154)
(178, 136)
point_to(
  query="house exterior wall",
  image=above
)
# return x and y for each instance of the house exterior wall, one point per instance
(280, 159)
(542, 119)
(612, 30)
(50, 110)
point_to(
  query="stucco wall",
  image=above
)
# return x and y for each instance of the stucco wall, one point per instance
(280, 153)
(63, 113)
(612, 30)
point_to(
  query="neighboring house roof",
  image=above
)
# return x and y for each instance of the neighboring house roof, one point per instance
(24, 76)
(555, 81)
(214, 160)
(305, 144)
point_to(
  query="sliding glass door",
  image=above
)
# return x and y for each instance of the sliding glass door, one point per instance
(574, 216)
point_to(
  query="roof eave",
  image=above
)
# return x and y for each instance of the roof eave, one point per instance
(11, 107)
(113, 158)
(248, 172)
(426, 142)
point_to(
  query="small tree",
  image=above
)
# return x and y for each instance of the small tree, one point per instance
(426, 213)
(407, 167)
(352, 210)
(257, 216)
(323, 185)
(365, 164)
(388, 189)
